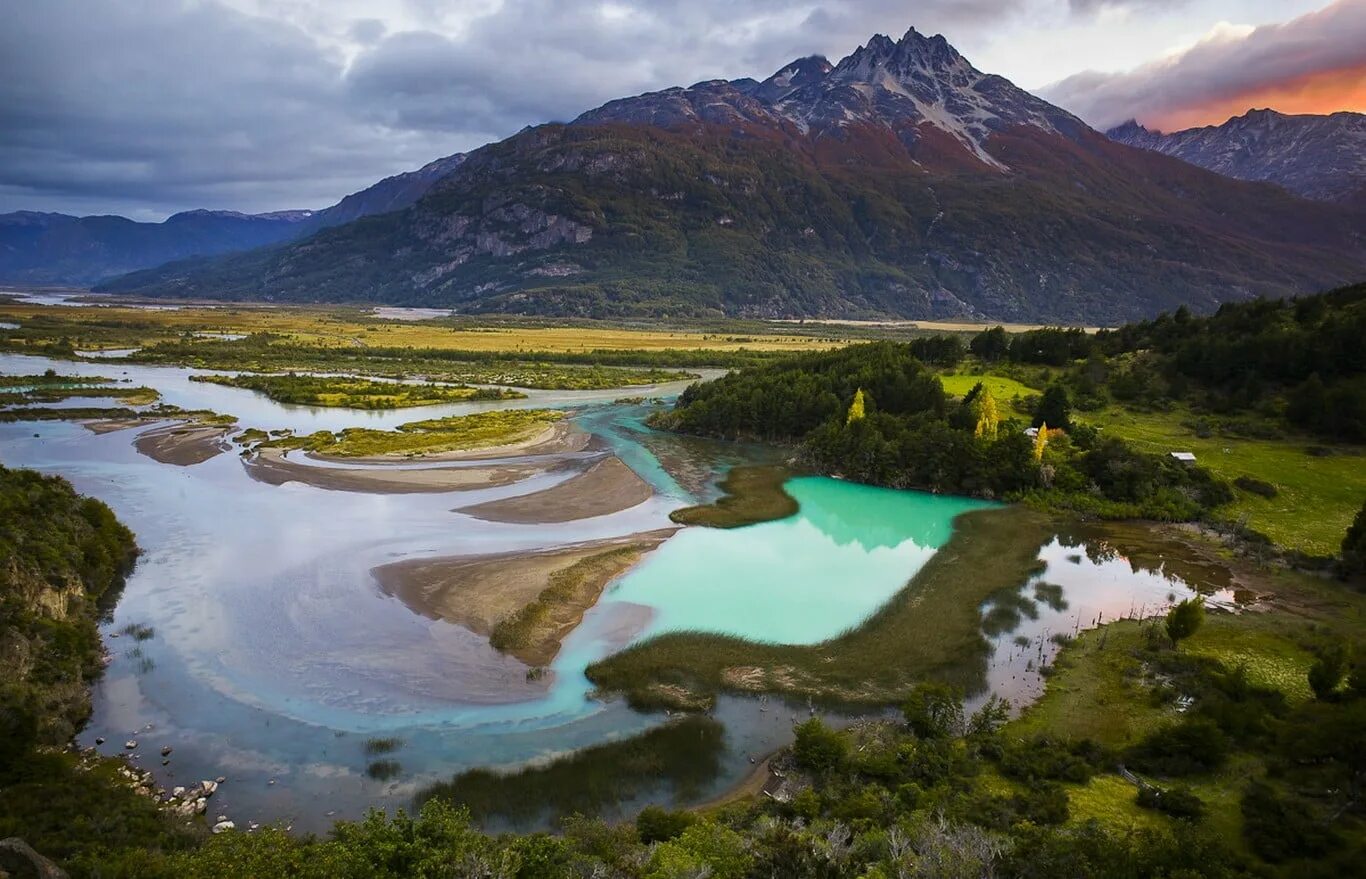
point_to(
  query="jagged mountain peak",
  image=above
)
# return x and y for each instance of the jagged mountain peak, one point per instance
(798, 74)
(1320, 157)
(1129, 128)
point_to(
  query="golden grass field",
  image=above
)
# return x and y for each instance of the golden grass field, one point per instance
(356, 327)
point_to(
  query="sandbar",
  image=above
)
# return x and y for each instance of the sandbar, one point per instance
(182, 444)
(558, 438)
(608, 486)
(479, 592)
(274, 467)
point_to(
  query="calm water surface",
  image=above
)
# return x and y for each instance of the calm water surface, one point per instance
(275, 655)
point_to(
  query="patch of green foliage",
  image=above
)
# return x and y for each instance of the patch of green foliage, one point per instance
(750, 495)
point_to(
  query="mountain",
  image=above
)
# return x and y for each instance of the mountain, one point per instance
(44, 248)
(390, 194)
(1319, 157)
(899, 181)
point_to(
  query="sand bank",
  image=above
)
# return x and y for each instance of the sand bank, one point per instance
(479, 592)
(272, 466)
(609, 486)
(110, 425)
(182, 444)
(558, 438)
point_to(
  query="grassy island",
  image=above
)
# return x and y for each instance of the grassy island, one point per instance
(751, 495)
(356, 393)
(460, 433)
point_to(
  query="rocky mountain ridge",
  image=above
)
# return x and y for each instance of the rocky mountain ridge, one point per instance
(1319, 157)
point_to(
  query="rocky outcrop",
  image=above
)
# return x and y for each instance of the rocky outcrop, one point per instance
(18, 860)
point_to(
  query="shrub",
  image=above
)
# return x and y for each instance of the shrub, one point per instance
(1280, 830)
(655, 824)
(1178, 802)
(1329, 670)
(1256, 486)
(1184, 620)
(818, 747)
(1194, 745)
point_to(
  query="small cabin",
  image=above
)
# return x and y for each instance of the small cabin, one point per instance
(1184, 457)
(1031, 432)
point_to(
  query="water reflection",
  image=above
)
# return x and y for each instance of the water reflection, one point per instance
(1091, 576)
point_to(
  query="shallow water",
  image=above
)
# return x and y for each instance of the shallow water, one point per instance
(275, 655)
(805, 578)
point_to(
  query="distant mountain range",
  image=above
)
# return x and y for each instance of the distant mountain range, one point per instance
(1320, 157)
(42, 248)
(45, 248)
(900, 181)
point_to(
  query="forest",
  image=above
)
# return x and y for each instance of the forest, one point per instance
(905, 432)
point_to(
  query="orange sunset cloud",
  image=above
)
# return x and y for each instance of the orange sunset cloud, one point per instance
(1327, 91)
(1312, 64)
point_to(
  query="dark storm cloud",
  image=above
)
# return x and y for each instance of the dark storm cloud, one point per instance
(1314, 63)
(148, 106)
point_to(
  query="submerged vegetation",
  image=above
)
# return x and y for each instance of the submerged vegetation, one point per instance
(356, 393)
(750, 495)
(681, 757)
(433, 436)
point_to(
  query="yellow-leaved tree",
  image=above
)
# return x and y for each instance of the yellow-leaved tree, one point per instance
(1040, 442)
(987, 417)
(856, 408)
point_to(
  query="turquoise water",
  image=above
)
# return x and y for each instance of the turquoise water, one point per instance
(799, 580)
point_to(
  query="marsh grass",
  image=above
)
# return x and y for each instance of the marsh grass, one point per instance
(384, 745)
(138, 631)
(533, 632)
(930, 629)
(751, 495)
(683, 756)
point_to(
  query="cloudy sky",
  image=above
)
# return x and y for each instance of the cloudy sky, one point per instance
(146, 107)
